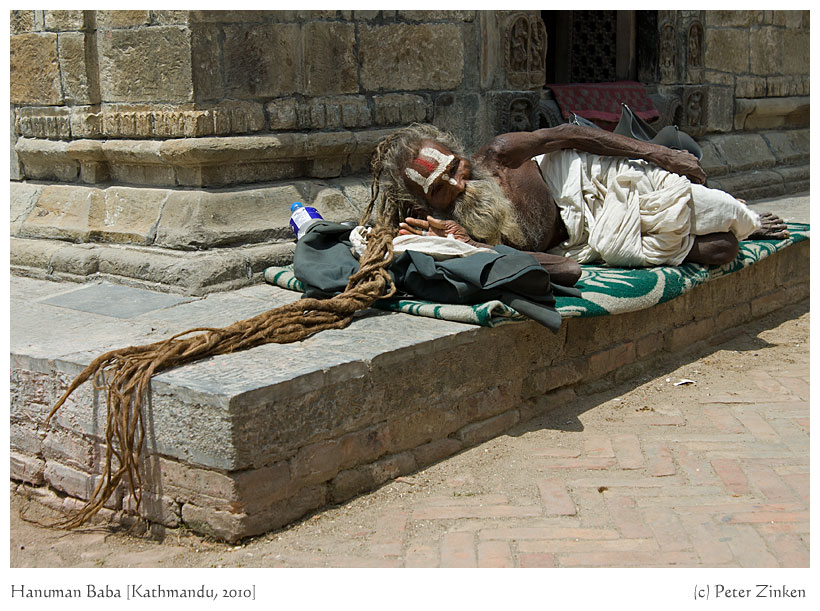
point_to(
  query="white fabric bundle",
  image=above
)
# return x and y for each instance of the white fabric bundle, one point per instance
(631, 213)
(437, 247)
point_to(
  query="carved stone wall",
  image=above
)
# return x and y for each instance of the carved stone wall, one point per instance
(214, 122)
(110, 78)
(725, 67)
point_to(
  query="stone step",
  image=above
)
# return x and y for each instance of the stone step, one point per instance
(151, 267)
(196, 240)
(244, 443)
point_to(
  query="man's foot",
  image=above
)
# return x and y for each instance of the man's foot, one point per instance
(772, 228)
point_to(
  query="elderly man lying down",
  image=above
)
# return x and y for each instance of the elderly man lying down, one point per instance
(568, 195)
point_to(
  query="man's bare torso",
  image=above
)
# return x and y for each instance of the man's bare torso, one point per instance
(528, 192)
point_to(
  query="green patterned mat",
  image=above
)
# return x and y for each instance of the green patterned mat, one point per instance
(604, 290)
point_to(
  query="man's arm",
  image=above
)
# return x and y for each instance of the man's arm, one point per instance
(514, 148)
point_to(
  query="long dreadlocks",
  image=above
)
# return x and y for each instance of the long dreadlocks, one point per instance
(125, 374)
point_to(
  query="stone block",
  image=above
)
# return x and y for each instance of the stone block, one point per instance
(648, 344)
(122, 19)
(478, 432)
(719, 109)
(44, 122)
(61, 213)
(319, 462)
(238, 117)
(788, 147)
(743, 151)
(750, 87)
(77, 260)
(77, 484)
(422, 16)
(726, 50)
(733, 316)
(126, 215)
(391, 467)
(34, 254)
(206, 64)
(237, 16)
(711, 161)
(23, 198)
(69, 449)
(604, 361)
(34, 69)
(793, 20)
(22, 22)
(795, 178)
(261, 487)
(432, 452)
(27, 469)
(399, 109)
(262, 60)
(766, 50)
(795, 52)
(145, 65)
(26, 437)
(169, 17)
(752, 184)
(764, 304)
(422, 425)
(727, 19)
(348, 484)
(282, 114)
(79, 83)
(771, 113)
(46, 159)
(192, 219)
(681, 337)
(159, 509)
(330, 59)
(64, 21)
(411, 57)
(86, 121)
(782, 86)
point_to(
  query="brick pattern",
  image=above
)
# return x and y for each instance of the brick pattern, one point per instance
(711, 477)
(721, 479)
(307, 477)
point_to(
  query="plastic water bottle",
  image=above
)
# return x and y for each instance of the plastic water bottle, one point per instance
(302, 217)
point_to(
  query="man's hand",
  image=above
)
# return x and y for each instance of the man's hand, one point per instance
(437, 227)
(685, 163)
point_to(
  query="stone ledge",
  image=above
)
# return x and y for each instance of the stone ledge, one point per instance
(175, 218)
(772, 113)
(341, 412)
(200, 162)
(159, 269)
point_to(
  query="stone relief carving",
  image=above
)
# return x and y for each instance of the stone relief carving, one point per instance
(694, 46)
(518, 116)
(525, 51)
(667, 52)
(694, 108)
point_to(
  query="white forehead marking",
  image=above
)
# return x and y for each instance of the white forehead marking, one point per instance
(440, 158)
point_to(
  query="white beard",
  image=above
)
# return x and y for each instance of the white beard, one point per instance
(487, 214)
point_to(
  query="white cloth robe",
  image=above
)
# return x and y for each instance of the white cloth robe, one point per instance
(631, 213)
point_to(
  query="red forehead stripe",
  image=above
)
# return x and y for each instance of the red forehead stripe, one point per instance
(423, 164)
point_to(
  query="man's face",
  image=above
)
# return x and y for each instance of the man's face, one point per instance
(437, 175)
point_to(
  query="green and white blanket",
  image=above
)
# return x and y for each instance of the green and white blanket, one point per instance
(604, 290)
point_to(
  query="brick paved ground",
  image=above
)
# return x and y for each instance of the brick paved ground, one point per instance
(710, 474)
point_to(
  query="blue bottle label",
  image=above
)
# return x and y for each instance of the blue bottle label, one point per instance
(302, 216)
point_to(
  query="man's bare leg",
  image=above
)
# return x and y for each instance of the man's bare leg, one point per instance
(713, 249)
